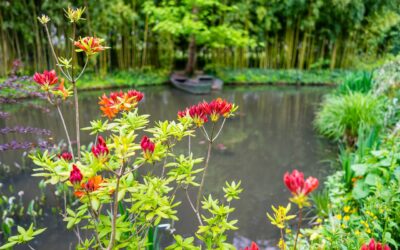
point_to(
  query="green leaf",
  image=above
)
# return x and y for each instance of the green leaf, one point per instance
(372, 179)
(360, 190)
(359, 169)
(8, 245)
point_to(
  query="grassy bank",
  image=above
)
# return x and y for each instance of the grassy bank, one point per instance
(360, 202)
(229, 76)
(239, 77)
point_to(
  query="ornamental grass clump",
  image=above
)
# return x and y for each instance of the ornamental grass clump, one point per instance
(341, 117)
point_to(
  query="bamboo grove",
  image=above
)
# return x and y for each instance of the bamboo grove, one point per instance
(283, 34)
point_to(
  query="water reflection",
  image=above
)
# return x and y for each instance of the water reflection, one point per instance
(272, 134)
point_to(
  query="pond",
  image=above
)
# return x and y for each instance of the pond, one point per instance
(272, 134)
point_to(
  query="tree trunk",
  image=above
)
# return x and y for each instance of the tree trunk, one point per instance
(191, 63)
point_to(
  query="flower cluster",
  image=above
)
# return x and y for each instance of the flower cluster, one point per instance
(296, 184)
(93, 184)
(66, 156)
(49, 78)
(147, 146)
(299, 187)
(119, 101)
(89, 45)
(46, 79)
(373, 245)
(203, 110)
(100, 149)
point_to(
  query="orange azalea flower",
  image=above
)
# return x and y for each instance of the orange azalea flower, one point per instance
(62, 89)
(93, 184)
(89, 45)
(119, 101)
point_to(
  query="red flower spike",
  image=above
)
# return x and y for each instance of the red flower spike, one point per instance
(75, 176)
(373, 245)
(253, 246)
(66, 156)
(47, 78)
(100, 149)
(296, 184)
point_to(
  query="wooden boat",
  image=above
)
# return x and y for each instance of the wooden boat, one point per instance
(198, 84)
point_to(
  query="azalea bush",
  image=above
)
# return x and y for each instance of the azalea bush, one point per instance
(119, 197)
(118, 207)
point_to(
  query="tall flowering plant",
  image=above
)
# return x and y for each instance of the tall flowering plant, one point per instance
(300, 188)
(118, 210)
(67, 66)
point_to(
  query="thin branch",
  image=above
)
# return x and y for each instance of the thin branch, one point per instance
(205, 133)
(220, 129)
(115, 210)
(54, 54)
(199, 194)
(66, 131)
(83, 70)
(193, 208)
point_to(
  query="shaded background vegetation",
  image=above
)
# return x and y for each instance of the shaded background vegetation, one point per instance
(302, 34)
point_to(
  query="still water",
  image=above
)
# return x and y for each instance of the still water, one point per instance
(272, 134)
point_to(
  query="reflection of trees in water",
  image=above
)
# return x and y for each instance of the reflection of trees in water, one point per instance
(271, 134)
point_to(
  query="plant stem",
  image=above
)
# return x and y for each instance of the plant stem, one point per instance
(220, 129)
(282, 239)
(66, 131)
(78, 136)
(76, 99)
(115, 209)
(83, 69)
(54, 54)
(298, 227)
(193, 208)
(210, 141)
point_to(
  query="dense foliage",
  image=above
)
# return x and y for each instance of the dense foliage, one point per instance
(264, 34)
(359, 207)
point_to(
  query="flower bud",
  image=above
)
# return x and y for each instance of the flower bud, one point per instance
(75, 177)
(44, 19)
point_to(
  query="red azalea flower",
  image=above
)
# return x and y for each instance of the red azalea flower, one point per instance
(66, 156)
(252, 247)
(198, 115)
(100, 149)
(219, 107)
(200, 112)
(119, 101)
(135, 94)
(47, 78)
(75, 176)
(296, 184)
(373, 245)
(147, 147)
(89, 45)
